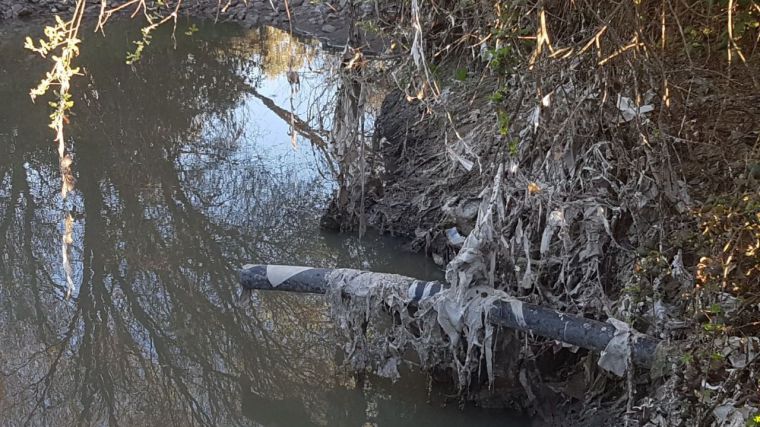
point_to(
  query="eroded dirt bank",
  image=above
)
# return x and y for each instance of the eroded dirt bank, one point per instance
(597, 178)
(595, 225)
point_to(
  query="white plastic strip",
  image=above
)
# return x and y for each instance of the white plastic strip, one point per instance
(412, 290)
(428, 288)
(517, 310)
(276, 274)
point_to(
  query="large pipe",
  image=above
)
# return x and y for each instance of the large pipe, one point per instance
(574, 330)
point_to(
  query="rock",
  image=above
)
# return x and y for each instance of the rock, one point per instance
(295, 3)
(367, 8)
(240, 15)
(251, 21)
(327, 28)
(21, 11)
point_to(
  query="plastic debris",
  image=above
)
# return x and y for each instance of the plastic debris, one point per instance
(742, 350)
(727, 415)
(628, 109)
(454, 237)
(616, 357)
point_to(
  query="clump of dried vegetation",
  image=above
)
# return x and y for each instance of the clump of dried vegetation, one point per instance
(629, 136)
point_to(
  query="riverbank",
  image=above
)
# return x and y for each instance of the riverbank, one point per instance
(328, 21)
(575, 171)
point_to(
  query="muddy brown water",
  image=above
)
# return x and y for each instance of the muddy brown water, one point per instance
(117, 303)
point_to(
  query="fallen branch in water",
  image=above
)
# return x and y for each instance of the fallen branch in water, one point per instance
(586, 333)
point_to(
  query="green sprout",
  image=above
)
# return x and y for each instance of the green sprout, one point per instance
(192, 29)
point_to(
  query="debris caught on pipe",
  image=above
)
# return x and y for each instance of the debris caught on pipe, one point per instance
(440, 322)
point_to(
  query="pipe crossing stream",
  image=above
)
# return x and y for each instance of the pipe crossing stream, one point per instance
(511, 313)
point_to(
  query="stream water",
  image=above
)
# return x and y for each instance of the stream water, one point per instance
(118, 303)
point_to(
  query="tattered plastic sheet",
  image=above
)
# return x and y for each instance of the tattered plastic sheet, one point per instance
(616, 357)
(629, 110)
(361, 300)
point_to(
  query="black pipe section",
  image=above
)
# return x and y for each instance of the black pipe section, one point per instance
(296, 279)
(314, 280)
(574, 330)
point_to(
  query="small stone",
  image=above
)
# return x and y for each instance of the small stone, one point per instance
(53, 9)
(240, 15)
(251, 21)
(366, 8)
(296, 3)
(327, 28)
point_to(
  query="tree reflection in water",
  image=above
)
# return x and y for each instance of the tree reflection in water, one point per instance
(176, 187)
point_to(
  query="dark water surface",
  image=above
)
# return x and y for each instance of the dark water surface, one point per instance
(117, 304)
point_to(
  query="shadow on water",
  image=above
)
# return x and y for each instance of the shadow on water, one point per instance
(181, 176)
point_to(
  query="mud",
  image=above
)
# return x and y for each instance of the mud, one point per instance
(328, 21)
